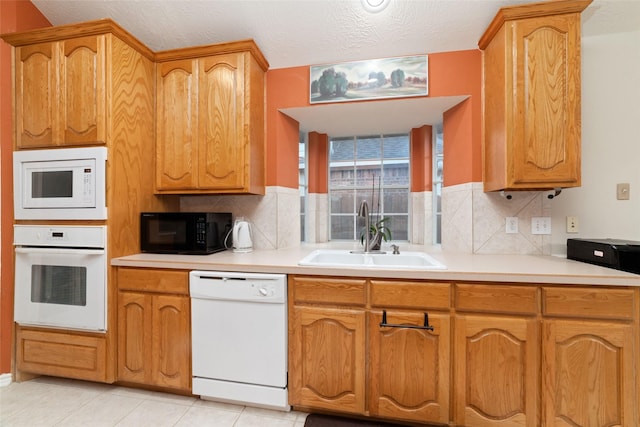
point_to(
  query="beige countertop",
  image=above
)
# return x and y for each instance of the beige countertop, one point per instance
(460, 267)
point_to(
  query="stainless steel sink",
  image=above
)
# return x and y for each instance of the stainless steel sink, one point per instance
(345, 258)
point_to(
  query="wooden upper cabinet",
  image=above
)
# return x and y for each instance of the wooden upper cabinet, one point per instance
(532, 97)
(210, 129)
(221, 134)
(60, 93)
(176, 149)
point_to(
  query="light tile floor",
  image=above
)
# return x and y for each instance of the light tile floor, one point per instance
(48, 401)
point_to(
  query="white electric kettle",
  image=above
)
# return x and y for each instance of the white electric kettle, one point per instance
(242, 235)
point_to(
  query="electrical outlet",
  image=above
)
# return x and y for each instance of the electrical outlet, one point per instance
(511, 225)
(572, 224)
(541, 225)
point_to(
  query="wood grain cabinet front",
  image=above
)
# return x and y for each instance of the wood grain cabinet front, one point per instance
(496, 359)
(154, 329)
(590, 357)
(409, 366)
(327, 365)
(62, 353)
(342, 359)
(532, 97)
(327, 360)
(61, 93)
(210, 122)
(496, 370)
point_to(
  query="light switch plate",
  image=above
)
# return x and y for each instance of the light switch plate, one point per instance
(622, 191)
(541, 225)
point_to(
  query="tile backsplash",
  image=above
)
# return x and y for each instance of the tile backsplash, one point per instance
(275, 217)
(474, 221)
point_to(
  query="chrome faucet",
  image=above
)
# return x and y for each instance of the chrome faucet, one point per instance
(363, 212)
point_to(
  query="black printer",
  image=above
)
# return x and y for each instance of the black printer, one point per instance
(613, 253)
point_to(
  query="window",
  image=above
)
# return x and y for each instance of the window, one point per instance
(302, 182)
(372, 168)
(438, 162)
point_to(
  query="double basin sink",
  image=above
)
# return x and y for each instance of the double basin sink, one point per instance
(345, 258)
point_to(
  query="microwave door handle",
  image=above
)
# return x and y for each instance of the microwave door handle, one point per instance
(61, 251)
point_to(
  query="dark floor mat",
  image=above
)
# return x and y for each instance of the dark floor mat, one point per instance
(318, 420)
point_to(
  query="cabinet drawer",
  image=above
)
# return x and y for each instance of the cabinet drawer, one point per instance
(593, 302)
(496, 298)
(153, 280)
(61, 354)
(418, 295)
(324, 290)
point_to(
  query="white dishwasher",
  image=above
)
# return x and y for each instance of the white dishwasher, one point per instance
(239, 337)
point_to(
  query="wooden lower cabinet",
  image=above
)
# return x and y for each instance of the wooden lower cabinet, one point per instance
(154, 330)
(342, 360)
(500, 354)
(62, 353)
(496, 370)
(327, 362)
(590, 360)
(409, 367)
(589, 372)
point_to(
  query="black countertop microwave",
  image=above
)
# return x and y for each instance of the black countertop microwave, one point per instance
(190, 233)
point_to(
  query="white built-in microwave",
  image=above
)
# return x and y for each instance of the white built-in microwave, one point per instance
(62, 183)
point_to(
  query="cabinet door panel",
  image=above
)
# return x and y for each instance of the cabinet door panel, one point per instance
(589, 374)
(547, 117)
(496, 371)
(171, 341)
(177, 118)
(221, 135)
(327, 357)
(134, 339)
(82, 82)
(409, 369)
(36, 95)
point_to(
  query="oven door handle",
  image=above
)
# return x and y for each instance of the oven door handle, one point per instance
(61, 251)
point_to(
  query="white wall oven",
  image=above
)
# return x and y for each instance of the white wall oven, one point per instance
(61, 276)
(62, 183)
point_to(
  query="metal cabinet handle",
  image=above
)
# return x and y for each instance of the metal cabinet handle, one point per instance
(426, 325)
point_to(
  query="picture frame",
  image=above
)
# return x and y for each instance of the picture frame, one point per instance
(397, 77)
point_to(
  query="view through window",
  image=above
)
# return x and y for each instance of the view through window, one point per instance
(302, 182)
(438, 162)
(371, 168)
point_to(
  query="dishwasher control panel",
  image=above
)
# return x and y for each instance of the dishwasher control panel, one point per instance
(235, 286)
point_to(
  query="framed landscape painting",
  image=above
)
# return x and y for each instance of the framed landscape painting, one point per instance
(372, 79)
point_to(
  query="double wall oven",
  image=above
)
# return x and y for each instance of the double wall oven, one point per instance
(60, 270)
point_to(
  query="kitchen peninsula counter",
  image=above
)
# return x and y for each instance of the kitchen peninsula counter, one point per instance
(541, 269)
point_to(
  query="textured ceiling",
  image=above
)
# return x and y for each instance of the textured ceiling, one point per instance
(305, 32)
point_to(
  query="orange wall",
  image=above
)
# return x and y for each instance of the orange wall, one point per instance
(460, 73)
(318, 151)
(15, 15)
(450, 74)
(421, 149)
(286, 87)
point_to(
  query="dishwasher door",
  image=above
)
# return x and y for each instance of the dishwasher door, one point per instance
(239, 336)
